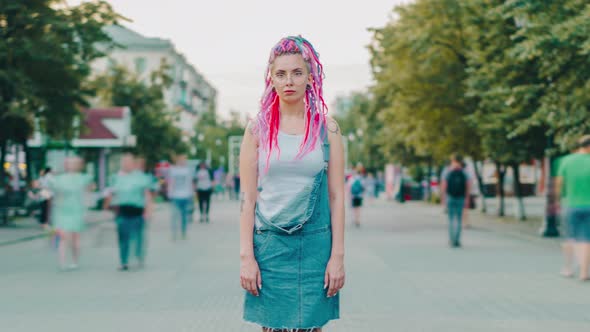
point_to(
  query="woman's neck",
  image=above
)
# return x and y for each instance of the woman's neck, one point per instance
(296, 110)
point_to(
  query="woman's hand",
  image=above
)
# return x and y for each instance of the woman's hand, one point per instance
(334, 279)
(250, 275)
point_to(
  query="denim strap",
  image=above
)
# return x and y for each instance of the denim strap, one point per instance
(319, 178)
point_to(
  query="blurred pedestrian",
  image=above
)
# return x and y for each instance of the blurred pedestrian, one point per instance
(455, 186)
(292, 214)
(468, 197)
(140, 165)
(371, 187)
(357, 190)
(181, 191)
(132, 201)
(219, 182)
(45, 177)
(68, 208)
(154, 187)
(380, 184)
(33, 199)
(573, 184)
(204, 190)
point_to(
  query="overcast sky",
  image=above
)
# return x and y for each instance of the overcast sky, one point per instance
(228, 41)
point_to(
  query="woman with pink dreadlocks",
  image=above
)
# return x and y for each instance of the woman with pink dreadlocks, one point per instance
(292, 213)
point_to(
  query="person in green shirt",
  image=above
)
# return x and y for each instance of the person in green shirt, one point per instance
(132, 199)
(573, 185)
(68, 208)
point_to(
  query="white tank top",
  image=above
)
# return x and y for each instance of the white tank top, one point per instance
(286, 176)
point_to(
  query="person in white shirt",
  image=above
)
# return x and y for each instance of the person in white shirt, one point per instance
(204, 189)
(357, 191)
(180, 192)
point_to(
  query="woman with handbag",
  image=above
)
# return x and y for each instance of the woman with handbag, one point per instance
(132, 201)
(292, 211)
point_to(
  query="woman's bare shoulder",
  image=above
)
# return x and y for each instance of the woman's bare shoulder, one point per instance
(333, 128)
(251, 133)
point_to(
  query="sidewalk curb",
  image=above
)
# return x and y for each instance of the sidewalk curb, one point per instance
(23, 239)
(45, 234)
(497, 226)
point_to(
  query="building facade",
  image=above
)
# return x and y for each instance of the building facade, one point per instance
(189, 96)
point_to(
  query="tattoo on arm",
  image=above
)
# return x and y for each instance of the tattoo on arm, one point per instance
(333, 127)
(242, 202)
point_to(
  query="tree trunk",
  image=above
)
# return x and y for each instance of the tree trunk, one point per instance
(551, 201)
(29, 168)
(501, 171)
(439, 171)
(16, 178)
(518, 192)
(484, 206)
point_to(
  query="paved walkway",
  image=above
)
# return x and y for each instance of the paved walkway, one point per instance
(21, 229)
(401, 276)
(534, 206)
(28, 228)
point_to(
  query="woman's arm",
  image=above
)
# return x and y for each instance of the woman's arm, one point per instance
(335, 269)
(249, 272)
(336, 186)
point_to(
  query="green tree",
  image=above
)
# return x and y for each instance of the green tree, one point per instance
(351, 115)
(45, 54)
(157, 136)
(555, 36)
(508, 91)
(212, 134)
(419, 62)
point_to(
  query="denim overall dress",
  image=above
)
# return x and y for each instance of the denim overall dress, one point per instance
(292, 248)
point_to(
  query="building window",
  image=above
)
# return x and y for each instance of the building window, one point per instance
(140, 64)
(183, 96)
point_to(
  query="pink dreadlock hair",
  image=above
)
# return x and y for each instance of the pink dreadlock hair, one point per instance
(268, 119)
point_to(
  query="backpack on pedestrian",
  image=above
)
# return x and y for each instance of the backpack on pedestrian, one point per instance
(357, 187)
(456, 183)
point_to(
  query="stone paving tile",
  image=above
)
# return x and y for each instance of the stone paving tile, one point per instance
(401, 276)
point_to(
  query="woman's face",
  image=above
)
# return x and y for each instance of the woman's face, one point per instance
(72, 164)
(127, 163)
(290, 77)
(181, 160)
